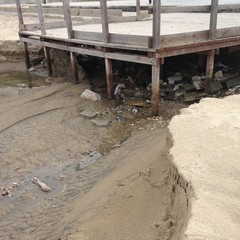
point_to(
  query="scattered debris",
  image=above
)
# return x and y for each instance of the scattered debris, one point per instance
(42, 185)
(118, 91)
(7, 190)
(120, 119)
(235, 90)
(90, 95)
(218, 75)
(197, 82)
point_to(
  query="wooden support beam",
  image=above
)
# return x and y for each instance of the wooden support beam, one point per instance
(68, 20)
(74, 63)
(48, 60)
(209, 69)
(104, 18)
(213, 19)
(138, 9)
(109, 77)
(155, 87)
(156, 23)
(40, 17)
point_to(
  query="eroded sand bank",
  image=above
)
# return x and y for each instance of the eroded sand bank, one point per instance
(206, 152)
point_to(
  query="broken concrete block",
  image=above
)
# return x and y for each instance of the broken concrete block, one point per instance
(90, 95)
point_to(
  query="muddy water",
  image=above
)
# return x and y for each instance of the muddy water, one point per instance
(21, 79)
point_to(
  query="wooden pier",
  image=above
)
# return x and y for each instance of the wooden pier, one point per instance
(147, 42)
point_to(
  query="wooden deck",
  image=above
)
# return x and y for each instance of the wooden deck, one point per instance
(149, 41)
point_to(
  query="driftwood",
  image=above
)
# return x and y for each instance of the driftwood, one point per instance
(42, 185)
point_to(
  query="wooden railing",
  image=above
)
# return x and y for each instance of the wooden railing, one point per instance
(155, 41)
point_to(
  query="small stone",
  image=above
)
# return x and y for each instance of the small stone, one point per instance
(100, 122)
(88, 114)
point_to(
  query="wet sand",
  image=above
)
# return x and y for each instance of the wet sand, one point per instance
(43, 135)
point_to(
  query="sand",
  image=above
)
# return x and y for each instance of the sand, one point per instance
(128, 191)
(206, 152)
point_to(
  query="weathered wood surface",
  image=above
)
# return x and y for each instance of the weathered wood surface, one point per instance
(104, 17)
(213, 19)
(40, 17)
(156, 23)
(155, 87)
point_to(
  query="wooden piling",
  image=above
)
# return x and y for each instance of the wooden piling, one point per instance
(155, 87)
(209, 69)
(109, 77)
(48, 60)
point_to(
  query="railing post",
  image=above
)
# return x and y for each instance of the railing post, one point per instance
(138, 9)
(21, 27)
(213, 19)
(40, 17)
(156, 23)
(104, 17)
(68, 20)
